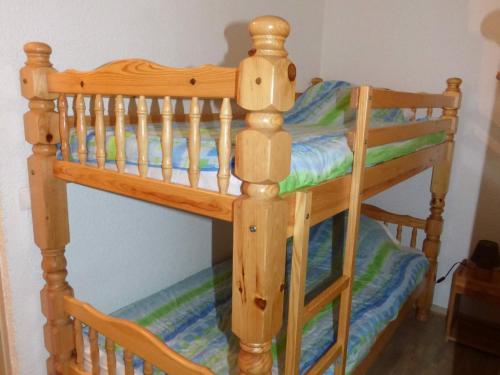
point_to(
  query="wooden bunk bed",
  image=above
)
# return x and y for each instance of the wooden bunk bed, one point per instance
(264, 86)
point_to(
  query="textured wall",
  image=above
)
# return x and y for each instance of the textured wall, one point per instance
(416, 45)
(111, 261)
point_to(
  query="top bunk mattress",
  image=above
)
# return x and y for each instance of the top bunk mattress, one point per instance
(318, 124)
(194, 316)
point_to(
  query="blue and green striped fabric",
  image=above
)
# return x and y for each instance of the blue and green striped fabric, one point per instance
(194, 316)
(318, 123)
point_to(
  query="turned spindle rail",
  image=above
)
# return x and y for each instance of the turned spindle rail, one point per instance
(224, 145)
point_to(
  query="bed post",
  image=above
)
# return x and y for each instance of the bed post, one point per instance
(439, 188)
(266, 88)
(49, 204)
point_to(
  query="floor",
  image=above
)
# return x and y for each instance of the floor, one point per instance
(420, 348)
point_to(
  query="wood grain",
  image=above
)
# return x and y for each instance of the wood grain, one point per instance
(198, 201)
(383, 98)
(120, 134)
(136, 77)
(134, 338)
(167, 139)
(297, 282)
(402, 132)
(224, 148)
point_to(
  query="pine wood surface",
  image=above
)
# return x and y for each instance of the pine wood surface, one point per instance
(198, 201)
(396, 133)
(130, 336)
(137, 77)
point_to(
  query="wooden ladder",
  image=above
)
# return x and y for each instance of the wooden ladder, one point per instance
(300, 313)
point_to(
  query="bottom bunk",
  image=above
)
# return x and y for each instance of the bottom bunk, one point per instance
(193, 317)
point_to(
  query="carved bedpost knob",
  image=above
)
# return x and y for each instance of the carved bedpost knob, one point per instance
(269, 34)
(38, 54)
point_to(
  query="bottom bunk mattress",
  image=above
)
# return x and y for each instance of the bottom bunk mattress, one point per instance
(193, 317)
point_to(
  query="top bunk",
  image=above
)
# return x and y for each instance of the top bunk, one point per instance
(170, 135)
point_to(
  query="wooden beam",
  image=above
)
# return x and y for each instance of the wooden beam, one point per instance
(198, 201)
(136, 77)
(326, 296)
(402, 132)
(384, 98)
(326, 360)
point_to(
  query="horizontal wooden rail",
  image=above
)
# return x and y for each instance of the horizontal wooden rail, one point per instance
(136, 339)
(197, 201)
(326, 360)
(331, 197)
(402, 132)
(389, 217)
(154, 118)
(326, 296)
(141, 77)
(384, 98)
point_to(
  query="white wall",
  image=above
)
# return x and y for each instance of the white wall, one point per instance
(108, 258)
(416, 45)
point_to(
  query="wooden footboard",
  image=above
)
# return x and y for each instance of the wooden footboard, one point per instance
(135, 341)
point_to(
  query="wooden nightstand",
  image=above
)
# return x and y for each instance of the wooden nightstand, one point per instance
(465, 329)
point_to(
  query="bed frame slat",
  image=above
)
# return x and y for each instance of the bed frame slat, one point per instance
(148, 368)
(81, 128)
(128, 360)
(167, 139)
(120, 133)
(110, 356)
(77, 331)
(100, 132)
(225, 146)
(194, 142)
(383, 98)
(94, 351)
(62, 107)
(402, 132)
(142, 136)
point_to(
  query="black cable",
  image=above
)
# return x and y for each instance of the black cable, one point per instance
(442, 278)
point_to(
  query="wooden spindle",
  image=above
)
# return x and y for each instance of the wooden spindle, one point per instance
(128, 360)
(62, 106)
(94, 351)
(142, 136)
(194, 142)
(429, 112)
(399, 232)
(100, 132)
(110, 356)
(148, 368)
(224, 146)
(413, 116)
(413, 241)
(77, 331)
(120, 133)
(81, 128)
(167, 139)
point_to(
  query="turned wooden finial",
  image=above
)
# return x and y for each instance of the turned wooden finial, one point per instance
(38, 54)
(453, 84)
(269, 34)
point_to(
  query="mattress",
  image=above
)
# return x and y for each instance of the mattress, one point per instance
(318, 124)
(194, 316)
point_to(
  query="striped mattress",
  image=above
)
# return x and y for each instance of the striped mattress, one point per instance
(194, 316)
(318, 123)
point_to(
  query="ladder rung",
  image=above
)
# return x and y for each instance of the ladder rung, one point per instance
(326, 360)
(322, 299)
